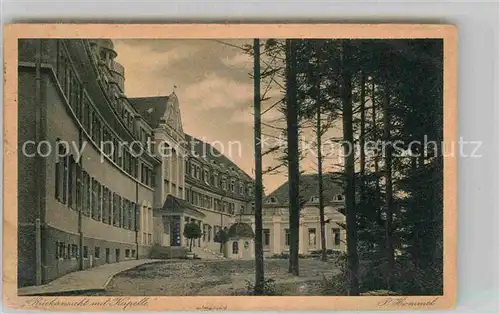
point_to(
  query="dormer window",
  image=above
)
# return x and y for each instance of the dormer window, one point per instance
(314, 199)
(231, 185)
(273, 200)
(339, 197)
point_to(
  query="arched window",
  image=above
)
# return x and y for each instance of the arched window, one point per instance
(235, 247)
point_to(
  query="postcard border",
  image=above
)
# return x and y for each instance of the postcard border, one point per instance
(448, 33)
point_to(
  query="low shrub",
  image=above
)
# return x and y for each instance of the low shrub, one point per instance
(280, 256)
(269, 288)
(284, 255)
(337, 284)
(408, 279)
(378, 293)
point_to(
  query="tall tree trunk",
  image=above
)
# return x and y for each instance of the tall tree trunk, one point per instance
(388, 190)
(293, 154)
(362, 156)
(350, 201)
(415, 246)
(259, 253)
(376, 158)
(320, 175)
(421, 156)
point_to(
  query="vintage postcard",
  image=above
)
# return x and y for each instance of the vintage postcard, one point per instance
(230, 167)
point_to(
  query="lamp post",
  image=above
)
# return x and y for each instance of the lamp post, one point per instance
(224, 195)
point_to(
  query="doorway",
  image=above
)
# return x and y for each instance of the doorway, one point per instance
(175, 231)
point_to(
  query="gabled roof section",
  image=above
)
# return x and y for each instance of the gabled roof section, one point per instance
(177, 205)
(173, 114)
(308, 187)
(152, 109)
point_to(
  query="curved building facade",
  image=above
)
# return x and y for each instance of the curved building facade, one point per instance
(95, 184)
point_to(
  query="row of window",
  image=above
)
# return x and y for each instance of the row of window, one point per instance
(125, 112)
(313, 199)
(210, 202)
(71, 251)
(98, 131)
(311, 233)
(312, 236)
(78, 190)
(120, 106)
(147, 238)
(216, 180)
(210, 232)
(147, 176)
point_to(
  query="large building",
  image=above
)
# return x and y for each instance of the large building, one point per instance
(104, 178)
(276, 237)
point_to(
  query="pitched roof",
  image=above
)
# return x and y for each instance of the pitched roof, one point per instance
(177, 205)
(151, 109)
(240, 230)
(212, 155)
(308, 187)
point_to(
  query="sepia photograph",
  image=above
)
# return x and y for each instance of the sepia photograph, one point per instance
(228, 167)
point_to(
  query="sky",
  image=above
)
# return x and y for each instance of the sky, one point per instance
(214, 88)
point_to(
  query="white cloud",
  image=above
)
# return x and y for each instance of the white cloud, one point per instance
(242, 117)
(273, 117)
(141, 61)
(239, 60)
(217, 92)
(213, 102)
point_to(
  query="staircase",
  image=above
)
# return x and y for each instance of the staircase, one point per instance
(168, 252)
(206, 253)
